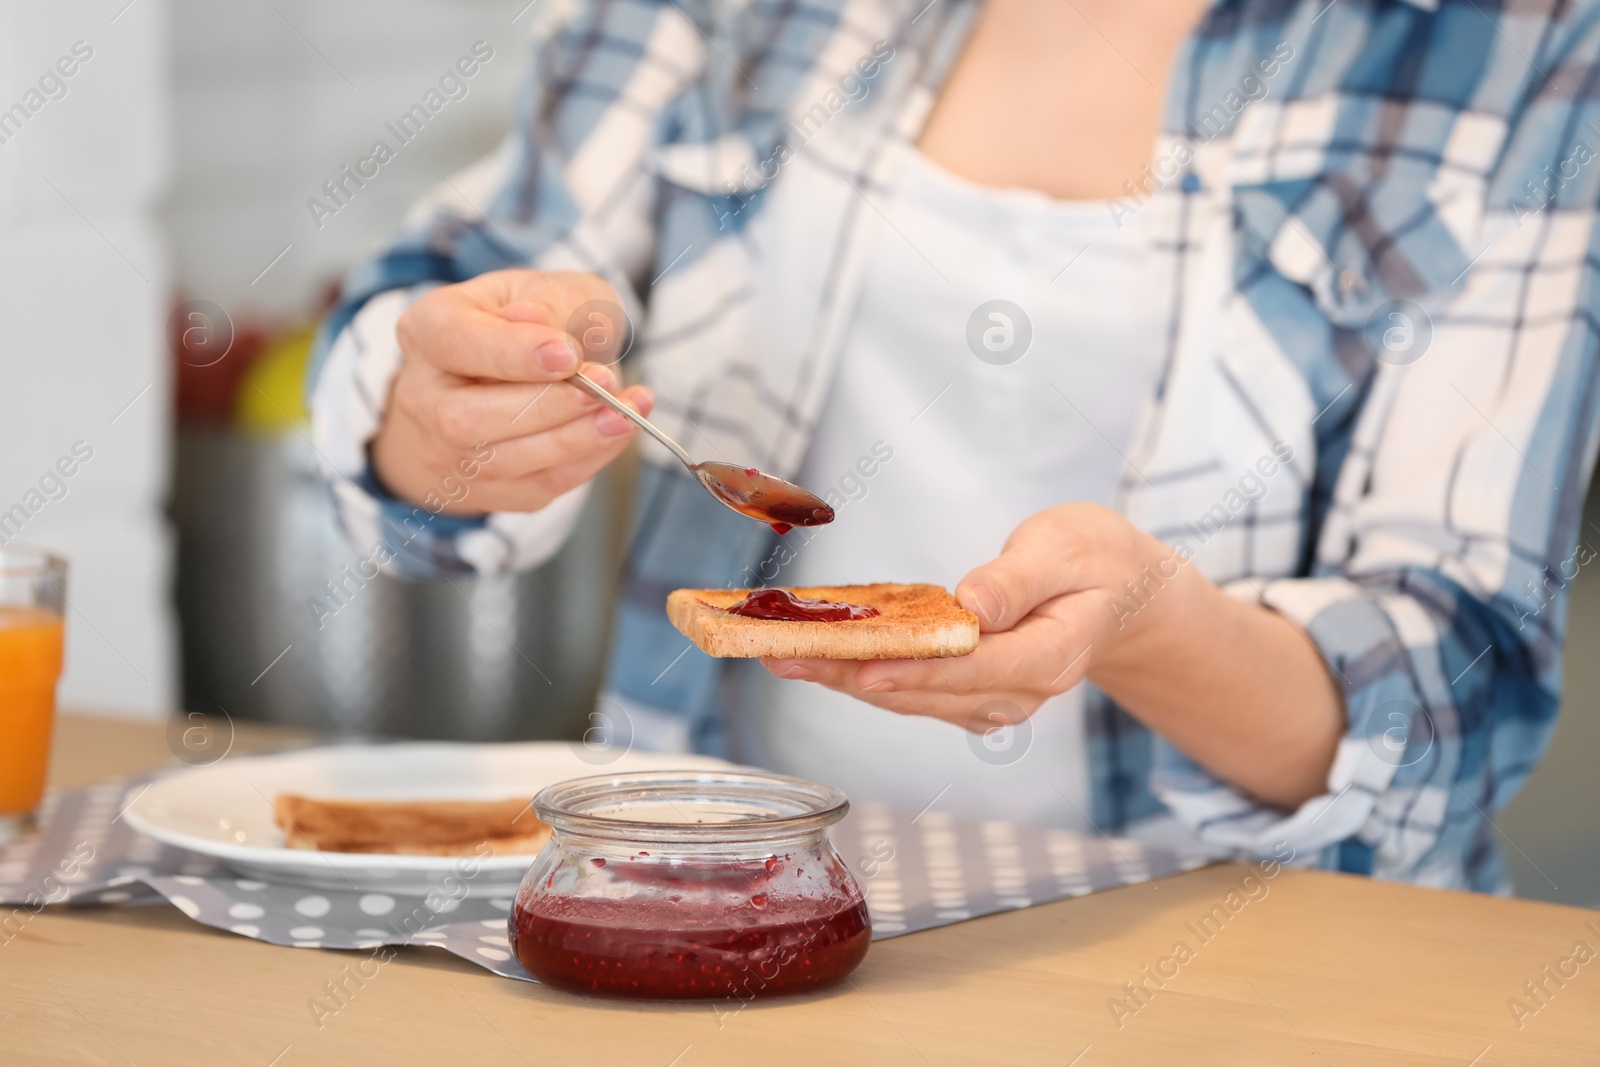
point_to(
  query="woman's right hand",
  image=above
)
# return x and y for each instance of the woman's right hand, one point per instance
(484, 363)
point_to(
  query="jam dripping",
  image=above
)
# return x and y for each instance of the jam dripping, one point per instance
(780, 504)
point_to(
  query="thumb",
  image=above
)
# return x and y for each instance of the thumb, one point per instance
(582, 305)
(1004, 591)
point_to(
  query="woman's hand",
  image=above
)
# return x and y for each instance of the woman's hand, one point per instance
(1079, 593)
(1050, 608)
(484, 365)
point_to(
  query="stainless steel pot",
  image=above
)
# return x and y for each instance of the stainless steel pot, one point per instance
(518, 657)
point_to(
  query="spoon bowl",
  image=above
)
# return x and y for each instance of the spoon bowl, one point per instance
(780, 504)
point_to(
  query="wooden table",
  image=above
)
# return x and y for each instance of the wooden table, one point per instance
(1325, 969)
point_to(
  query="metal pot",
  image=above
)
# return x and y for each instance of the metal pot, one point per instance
(482, 659)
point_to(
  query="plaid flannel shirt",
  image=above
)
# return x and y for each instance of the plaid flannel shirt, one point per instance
(1375, 221)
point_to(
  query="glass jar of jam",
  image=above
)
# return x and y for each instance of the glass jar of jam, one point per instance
(689, 884)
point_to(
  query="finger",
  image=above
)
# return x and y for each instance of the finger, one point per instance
(884, 676)
(550, 297)
(581, 304)
(471, 413)
(614, 424)
(970, 711)
(1040, 654)
(833, 673)
(549, 289)
(570, 442)
(975, 713)
(451, 330)
(1036, 566)
(534, 491)
(864, 678)
(565, 477)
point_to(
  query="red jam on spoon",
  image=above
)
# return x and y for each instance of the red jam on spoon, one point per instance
(780, 504)
(783, 606)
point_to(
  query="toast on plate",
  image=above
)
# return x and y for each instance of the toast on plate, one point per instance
(409, 827)
(913, 622)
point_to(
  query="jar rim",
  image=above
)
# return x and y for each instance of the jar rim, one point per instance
(19, 560)
(774, 806)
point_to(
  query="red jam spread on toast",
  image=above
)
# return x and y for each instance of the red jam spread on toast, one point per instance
(783, 606)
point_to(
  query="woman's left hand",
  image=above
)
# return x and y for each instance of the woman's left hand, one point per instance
(1076, 587)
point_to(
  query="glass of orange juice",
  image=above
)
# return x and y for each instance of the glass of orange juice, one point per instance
(32, 595)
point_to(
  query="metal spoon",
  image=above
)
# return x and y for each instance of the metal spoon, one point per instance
(782, 505)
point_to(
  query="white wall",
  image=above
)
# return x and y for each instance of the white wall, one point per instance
(184, 151)
(270, 105)
(84, 277)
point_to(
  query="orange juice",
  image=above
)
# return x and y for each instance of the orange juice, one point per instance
(30, 663)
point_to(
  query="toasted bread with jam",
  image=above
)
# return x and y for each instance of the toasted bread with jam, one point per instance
(913, 622)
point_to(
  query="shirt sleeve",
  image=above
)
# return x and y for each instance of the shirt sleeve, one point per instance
(571, 188)
(1438, 591)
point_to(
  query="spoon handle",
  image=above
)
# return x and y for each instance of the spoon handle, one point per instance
(600, 394)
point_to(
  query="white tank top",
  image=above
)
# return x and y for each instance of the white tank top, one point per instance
(936, 455)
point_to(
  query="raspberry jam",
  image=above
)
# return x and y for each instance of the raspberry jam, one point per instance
(780, 504)
(784, 606)
(660, 949)
(716, 884)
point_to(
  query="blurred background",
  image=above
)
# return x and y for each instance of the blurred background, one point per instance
(168, 178)
(163, 273)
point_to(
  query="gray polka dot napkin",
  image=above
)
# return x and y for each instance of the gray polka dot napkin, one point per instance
(917, 873)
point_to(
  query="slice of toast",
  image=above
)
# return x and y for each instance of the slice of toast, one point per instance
(914, 622)
(409, 827)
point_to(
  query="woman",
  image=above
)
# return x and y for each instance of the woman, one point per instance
(1256, 456)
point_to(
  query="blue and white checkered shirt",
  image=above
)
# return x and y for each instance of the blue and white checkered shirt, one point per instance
(1375, 221)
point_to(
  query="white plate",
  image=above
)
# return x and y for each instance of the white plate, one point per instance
(225, 810)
